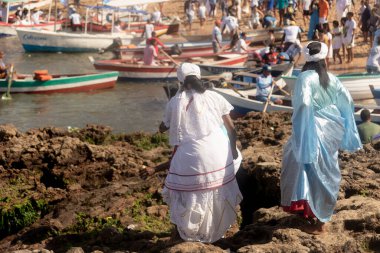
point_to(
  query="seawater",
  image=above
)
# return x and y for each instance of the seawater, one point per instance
(129, 107)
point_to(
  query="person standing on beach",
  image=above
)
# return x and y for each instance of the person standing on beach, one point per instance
(148, 29)
(349, 36)
(341, 8)
(216, 37)
(201, 188)
(314, 19)
(202, 14)
(323, 122)
(337, 40)
(324, 8)
(306, 10)
(364, 20)
(281, 6)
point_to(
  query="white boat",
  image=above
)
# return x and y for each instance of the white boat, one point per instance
(9, 29)
(245, 102)
(48, 41)
(356, 83)
(8, 25)
(376, 93)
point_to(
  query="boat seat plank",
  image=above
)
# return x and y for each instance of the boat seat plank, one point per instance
(242, 83)
(242, 73)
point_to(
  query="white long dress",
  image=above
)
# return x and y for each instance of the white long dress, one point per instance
(200, 189)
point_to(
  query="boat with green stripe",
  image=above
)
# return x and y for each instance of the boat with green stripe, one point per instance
(61, 83)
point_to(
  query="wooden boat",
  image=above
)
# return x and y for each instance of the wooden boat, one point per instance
(186, 48)
(8, 25)
(61, 83)
(137, 28)
(376, 93)
(255, 37)
(47, 41)
(356, 83)
(246, 102)
(9, 29)
(131, 70)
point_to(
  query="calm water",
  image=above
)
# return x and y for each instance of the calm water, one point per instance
(126, 108)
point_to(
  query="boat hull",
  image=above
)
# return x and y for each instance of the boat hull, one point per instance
(138, 71)
(356, 84)
(135, 72)
(46, 41)
(7, 29)
(73, 83)
(243, 105)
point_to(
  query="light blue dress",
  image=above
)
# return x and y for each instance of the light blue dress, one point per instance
(323, 122)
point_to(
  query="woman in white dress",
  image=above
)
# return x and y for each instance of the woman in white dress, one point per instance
(337, 40)
(201, 188)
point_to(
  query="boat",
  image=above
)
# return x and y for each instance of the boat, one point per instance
(244, 101)
(135, 27)
(356, 83)
(376, 93)
(8, 27)
(254, 37)
(128, 52)
(61, 83)
(138, 30)
(187, 48)
(131, 70)
(48, 41)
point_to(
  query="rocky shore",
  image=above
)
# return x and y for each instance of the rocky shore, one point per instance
(89, 190)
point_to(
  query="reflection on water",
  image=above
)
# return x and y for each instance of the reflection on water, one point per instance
(128, 107)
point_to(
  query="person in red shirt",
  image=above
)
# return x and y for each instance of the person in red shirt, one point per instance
(158, 42)
(270, 58)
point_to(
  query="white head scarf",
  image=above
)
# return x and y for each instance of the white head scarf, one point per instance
(316, 57)
(187, 69)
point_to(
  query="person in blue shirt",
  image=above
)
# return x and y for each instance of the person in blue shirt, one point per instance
(264, 85)
(322, 123)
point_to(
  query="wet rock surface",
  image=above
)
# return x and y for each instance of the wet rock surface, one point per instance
(87, 190)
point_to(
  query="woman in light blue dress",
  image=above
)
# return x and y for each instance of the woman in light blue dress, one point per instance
(323, 122)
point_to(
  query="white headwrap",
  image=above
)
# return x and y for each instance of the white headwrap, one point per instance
(316, 57)
(187, 69)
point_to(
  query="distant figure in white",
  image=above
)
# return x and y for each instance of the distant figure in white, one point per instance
(36, 16)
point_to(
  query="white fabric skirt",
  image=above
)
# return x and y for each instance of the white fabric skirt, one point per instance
(201, 189)
(206, 215)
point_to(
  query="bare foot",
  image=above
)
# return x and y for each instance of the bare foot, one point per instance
(315, 229)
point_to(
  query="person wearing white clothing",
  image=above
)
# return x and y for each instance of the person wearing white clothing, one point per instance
(336, 41)
(149, 28)
(292, 32)
(202, 13)
(349, 36)
(201, 188)
(36, 17)
(241, 45)
(75, 21)
(230, 23)
(342, 8)
(156, 16)
(374, 58)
